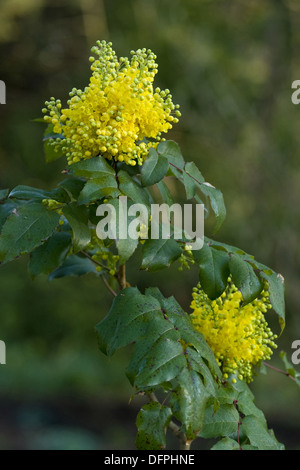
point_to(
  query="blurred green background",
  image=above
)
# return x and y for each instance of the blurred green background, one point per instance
(230, 65)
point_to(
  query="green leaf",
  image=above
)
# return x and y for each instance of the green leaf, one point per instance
(154, 168)
(73, 187)
(77, 217)
(3, 194)
(152, 422)
(159, 254)
(132, 189)
(223, 422)
(98, 188)
(258, 434)
(29, 193)
(74, 265)
(96, 167)
(217, 203)
(50, 255)
(25, 229)
(6, 209)
(171, 150)
(189, 400)
(276, 291)
(214, 270)
(226, 444)
(116, 331)
(165, 193)
(192, 178)
(127, 246)
(244, 278)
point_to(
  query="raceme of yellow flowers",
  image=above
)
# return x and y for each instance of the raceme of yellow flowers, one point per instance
(116, 114)
(238, 334)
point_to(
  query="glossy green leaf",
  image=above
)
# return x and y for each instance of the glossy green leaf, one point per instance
(226, 444)
(244, 278)
(223, 422)
(98, 188)
(50, 255)
(131, 188)
(188, 401)
(96, 167)
(77, 217)
(152, 422)
(72, 186)
(159, 254)
(276, 291)
(154, 168)
(171, 150)
(6, 209)
(25, 229)
(165, 193)
(214, 270)
(192, 178)
(258, 434)
(29, 193)
(74, 265)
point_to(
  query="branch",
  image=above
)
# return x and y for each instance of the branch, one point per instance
(280, 371)
(108, 286)
(102, 275)
(122, 276)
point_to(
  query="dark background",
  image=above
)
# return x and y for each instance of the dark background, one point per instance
(230, 66)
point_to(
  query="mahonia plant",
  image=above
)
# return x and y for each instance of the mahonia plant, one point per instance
(193, 368)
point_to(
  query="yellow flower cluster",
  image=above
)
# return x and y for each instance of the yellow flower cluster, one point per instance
(238, 334)
(115, 114)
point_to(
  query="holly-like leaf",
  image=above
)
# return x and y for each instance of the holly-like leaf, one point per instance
(154, 168)
(152, 422)
(164, 352)
(98, 188)
(226, 444)
(25, 229)
(192, 178)
(159, 254)
(165, 193)
(258, 434)
(29, 193)
(223, 422)
(188, 401)
(131, 188)
(77, 217)
(73, 187)
(73, 265)
(244, 278)
(171, 151)
(214, 270)
(276, 291)
(96, 167)
(50, 255)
